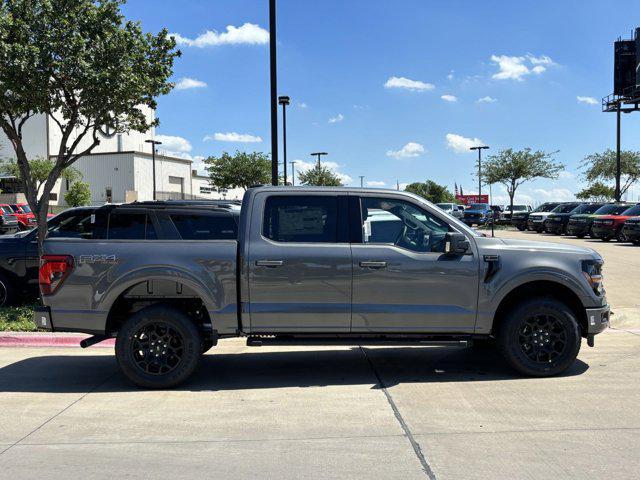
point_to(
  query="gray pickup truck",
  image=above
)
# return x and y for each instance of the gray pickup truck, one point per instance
(323, 266)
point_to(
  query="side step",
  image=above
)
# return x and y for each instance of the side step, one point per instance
(351, 340)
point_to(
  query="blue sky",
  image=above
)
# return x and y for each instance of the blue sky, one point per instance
(397, 91)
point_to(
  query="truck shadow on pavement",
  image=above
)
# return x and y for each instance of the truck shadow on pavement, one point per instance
(81, 373)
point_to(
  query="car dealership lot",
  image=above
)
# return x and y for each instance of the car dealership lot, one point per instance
(334, 412)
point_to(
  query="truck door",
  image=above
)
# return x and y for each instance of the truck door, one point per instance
(299, 263)
(402, 280)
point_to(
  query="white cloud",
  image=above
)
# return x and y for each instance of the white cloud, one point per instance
(450, 76)
(556, 194)
(587, 100)
(403, 186)
(375, 183)
(449, 98)
(301, 105)
(187, 83)
(566, 175)
(411, 149)
(233, 137)
(172, 144)
(460, 144)
(248, 34)
(408, 84)
(518, 67)
(486, 99)
(302, 166)
(337, 118)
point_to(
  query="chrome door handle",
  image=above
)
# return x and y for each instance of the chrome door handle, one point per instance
(269, 263)
(372, 264)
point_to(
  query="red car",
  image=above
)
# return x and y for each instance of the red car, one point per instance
(26, 218)
(607, 227)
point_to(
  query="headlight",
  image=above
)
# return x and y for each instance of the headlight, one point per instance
(592, 271)
(606, 222)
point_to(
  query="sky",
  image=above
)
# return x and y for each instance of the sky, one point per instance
(397, 91)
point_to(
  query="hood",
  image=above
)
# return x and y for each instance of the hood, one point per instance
(533, 246)
(584, 215)
(611, 217)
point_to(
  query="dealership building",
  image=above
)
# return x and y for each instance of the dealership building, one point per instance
(119, 169)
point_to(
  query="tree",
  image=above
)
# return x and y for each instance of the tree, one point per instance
(602, 167)
(431, 191)
(320, 176)
(40, 170)
(512, 168)
(86, 68)
(78, 195)
(597, 192)
(241, 170)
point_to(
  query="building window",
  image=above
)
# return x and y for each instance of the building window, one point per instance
(108, 195)
(53, 197)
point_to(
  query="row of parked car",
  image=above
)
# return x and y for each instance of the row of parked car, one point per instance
(16, 217)
(606, 221)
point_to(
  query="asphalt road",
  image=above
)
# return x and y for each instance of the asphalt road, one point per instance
(324, 412)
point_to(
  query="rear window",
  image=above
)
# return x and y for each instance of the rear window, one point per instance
(205, 227)
(311, 219)
(612, 209)
(130, 226)
(6, 210)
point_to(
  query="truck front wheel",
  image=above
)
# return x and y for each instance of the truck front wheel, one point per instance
(540, 337)
(158, 347)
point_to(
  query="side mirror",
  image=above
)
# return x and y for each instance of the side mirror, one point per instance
(455, 243)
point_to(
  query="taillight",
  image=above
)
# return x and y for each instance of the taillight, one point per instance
(53, 270)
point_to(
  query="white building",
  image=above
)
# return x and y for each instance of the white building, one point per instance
(120, 168)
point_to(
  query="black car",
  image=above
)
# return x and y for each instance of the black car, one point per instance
(19, 261)
(536, 218)
(558, 221)
(631, 230)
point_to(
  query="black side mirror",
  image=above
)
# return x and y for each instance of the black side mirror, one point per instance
(455, 243)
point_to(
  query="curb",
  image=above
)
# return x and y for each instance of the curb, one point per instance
(45, 339)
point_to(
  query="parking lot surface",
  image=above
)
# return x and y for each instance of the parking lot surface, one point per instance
(331, 412)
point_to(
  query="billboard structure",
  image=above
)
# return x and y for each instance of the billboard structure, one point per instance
(469, 199)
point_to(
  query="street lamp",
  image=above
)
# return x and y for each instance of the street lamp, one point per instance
(153, 157)
(319, 156)
(293, 173)
(284, 101)
(479, 149)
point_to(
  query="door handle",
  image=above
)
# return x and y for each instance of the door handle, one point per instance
(269, 263)
(373, 264)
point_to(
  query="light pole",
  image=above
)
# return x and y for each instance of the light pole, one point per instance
(361, 180)
(284, 101)
(153, 160)
(274, 91)
(293, 173)
(479, 149)
(319, 155)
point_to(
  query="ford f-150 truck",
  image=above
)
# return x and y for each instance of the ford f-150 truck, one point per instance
(323, 266)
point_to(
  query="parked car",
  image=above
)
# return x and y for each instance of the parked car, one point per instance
(25, 216)
(452, 209)
(558, 221)
(554, 221)
(497, 211)
(581, 225)
(505, 216)
(311, 266)
(175, 220)
(477, 214)
(8, 221)
(606, 227)
(631, 230)
(535, 220)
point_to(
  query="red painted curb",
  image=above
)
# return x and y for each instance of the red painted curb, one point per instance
(18, 339)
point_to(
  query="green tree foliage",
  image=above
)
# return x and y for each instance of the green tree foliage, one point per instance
(240, 170)
(431, 191)
(40, 170)
(78, 195)
(83, 64)
(512, 168)
(601, 167)
(320, 176)
(596, 192)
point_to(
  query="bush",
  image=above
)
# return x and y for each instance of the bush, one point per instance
(78, 195)
(17, 319)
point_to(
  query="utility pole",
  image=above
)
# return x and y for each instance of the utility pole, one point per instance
(319, 155)
(284, 101)
(293, 173)
(479, 149)
(153, 160)
(274, 91)
(361, 180)
(618, 168)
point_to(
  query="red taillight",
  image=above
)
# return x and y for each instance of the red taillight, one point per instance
(53, 270)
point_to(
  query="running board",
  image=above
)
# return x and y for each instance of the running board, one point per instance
(346, 340)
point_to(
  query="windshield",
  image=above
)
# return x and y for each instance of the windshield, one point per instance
(519, 208)
(445, 206)
(478, 206)
(546, 207)
(6, 210)
(25, 208)
(564, 208)
(611, 209)
(633, 211)
(586, 208)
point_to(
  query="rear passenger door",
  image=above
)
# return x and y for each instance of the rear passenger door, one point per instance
(299, 263)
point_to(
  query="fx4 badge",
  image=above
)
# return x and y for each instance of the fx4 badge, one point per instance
(97, 259)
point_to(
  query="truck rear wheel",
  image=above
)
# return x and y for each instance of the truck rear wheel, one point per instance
(158, 347)
(540, 337)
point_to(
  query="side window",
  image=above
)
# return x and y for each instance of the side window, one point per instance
(396, 222)
(81, 225)
(310, 219)
(205, 226)
(130, 226)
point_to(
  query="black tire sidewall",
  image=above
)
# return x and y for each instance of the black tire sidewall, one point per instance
(176, 320)
(10, 291)
(510, 346)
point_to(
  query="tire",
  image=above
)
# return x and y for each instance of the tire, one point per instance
(521, 228)
(207, 344)
(517, 335)
(7, 292)
(169, 333)
(605, 239)
(620, 236)
(580, 236)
